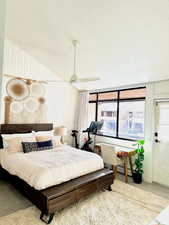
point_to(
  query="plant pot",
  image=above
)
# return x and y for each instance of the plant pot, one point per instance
(137, 178)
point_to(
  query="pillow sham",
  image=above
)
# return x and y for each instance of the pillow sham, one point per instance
(44, 145)
(29, 147)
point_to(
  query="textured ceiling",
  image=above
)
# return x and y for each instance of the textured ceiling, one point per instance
(124, 42)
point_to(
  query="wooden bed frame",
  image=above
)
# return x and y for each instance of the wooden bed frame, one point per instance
(55, 198)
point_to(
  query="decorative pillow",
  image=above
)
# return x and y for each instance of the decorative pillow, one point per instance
(56, 140)
(43, 138)
(29, 147)
(44, 145)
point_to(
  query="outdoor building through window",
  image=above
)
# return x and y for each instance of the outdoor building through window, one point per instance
(122, 113)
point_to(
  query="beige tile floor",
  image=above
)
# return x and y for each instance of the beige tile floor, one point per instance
(151, 187)
(11, 200)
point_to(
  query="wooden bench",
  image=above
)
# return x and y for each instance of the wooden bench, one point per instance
(55, 198)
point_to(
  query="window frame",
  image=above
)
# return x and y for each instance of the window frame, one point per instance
(118, 100)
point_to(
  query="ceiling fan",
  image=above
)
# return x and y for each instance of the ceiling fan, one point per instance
(75, 78)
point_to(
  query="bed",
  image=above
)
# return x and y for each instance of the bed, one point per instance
(64, 187)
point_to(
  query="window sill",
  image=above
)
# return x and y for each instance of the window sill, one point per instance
(125, 139)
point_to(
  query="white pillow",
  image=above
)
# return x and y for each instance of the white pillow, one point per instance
(15, 144)
(44, 133)
(23, 136)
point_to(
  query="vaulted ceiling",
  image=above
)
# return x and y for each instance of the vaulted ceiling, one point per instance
(124, 42)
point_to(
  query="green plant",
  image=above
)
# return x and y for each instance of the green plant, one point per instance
(140, 157)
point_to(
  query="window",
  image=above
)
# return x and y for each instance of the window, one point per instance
(107, 112)
(133, 93)
(107, 96)
(131, 120)
(122, 113)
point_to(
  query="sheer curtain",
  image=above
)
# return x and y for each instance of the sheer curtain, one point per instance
(83, 115)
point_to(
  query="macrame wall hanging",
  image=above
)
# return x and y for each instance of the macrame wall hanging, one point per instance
(25, 101)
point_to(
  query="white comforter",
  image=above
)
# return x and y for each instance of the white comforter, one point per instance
(51, 167)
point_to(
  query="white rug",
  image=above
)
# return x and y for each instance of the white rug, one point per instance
(125, 205)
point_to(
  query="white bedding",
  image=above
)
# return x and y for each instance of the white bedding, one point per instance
(50, 167)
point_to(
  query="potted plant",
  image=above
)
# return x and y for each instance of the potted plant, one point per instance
(137, 173)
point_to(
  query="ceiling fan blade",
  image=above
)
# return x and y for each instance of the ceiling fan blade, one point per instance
(56, 82)
(87, 79)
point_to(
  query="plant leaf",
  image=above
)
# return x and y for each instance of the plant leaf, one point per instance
(140, 142)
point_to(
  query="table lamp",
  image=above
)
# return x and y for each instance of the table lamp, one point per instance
(61, 131)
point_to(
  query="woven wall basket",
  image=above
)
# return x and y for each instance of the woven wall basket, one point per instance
(17, 107)
(37, 90)
(31, 104)
(17, 89)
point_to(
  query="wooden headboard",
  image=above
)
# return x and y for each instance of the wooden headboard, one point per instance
(23, 128)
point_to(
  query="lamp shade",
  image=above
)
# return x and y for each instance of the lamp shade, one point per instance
(61, 131)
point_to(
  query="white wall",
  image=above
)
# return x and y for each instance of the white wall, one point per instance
(61, 98)
(2, 34)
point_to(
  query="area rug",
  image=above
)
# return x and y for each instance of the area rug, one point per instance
(125, 205)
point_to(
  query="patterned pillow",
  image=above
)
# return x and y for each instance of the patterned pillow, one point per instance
(29, 147)
(45, 145)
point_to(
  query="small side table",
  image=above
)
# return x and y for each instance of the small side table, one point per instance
(127, 156)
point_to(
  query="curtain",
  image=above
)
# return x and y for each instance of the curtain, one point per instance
(83, 122)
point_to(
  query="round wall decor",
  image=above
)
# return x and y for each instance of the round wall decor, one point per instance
(17, 89)
(31, 104)
(37, 89)
(16, 107)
